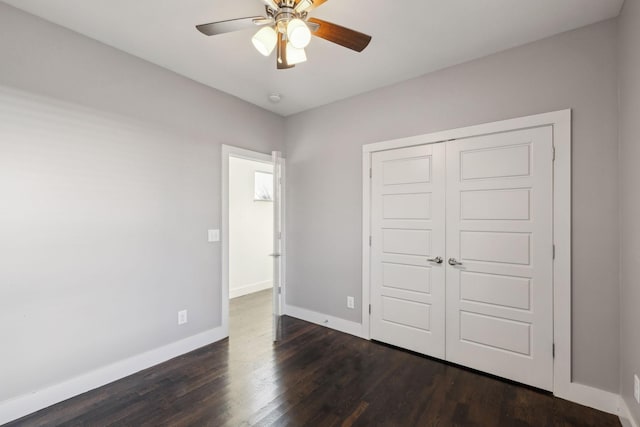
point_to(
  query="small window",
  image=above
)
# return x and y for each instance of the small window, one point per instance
(263, 187)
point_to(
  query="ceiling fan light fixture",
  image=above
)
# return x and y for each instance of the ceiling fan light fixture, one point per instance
(295, 55)
(287, 27)
(265, 40)
(303, 5)
(298, 33)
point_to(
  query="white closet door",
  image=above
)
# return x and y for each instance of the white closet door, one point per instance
(407, 219)
(499, 227)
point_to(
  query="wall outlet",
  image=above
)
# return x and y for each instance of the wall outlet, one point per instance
(636, 388)
(351, 302)
(213, 235)
(182, 317)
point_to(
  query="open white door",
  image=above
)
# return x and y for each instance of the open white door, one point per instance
(277, 242)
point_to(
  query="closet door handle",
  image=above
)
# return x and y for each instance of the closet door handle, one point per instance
(437, 260)
(453, 261)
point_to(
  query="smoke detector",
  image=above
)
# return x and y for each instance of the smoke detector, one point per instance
(274, 98)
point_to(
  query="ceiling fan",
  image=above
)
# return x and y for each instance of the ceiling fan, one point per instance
(288, 28)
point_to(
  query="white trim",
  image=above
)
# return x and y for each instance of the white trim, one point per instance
(563, 385)
(537, 120)
(231, 151)
(342, 325)
(366, 241)
(592, 397)
(561, 122)
(283, 237)
(626, 419)
(250, 288)
(23, 405)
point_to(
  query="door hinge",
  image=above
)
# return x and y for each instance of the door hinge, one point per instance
(554, 252)
(279, 235)
(279, 289)
(369, 308)
(369, 240)
(553, 157)
(553, 350)
(370, 173)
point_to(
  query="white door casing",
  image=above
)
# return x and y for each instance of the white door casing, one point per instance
(560, 122)
(500, 227)
(227, 152)
(407, 217)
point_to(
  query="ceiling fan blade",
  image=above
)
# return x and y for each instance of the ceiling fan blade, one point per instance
(273, 4)
(308, 5)
(231, 25)
(263, 21)
(281, 57)
(340, 35)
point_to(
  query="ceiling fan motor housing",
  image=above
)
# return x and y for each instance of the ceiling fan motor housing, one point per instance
(287, 3)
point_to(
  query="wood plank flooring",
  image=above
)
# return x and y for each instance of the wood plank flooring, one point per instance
(314, 377)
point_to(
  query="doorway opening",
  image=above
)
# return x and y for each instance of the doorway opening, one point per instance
(251, 242)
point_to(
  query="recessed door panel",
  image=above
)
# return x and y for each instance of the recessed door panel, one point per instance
(413, 278)
(495, 204)
(495, 162)
(406, 242)
(498, 333)
(504, 291)
(405, 313)
(412, 170)
(491, 246)
(406, 206)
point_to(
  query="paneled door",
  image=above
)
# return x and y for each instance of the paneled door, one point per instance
(500, 255)
(407, 248)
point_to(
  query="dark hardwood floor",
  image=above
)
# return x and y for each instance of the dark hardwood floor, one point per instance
(314, 377)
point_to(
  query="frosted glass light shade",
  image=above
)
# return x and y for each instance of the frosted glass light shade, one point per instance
(298, 33)
(265, 40)
(294, 55)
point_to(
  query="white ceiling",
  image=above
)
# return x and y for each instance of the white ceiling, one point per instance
(410, 38)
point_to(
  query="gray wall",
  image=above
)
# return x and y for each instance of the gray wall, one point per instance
(629, 57)
(573, 70)
(109, 179)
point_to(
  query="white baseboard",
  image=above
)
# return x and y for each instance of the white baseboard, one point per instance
(626, 419)
(250, 288)
(592, 397)
(23, 405)
(346, 326)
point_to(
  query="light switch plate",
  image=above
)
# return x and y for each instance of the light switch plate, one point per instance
(636, 388)
(214, 235)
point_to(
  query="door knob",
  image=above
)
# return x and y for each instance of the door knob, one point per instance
(437, 260)
(453, 261)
